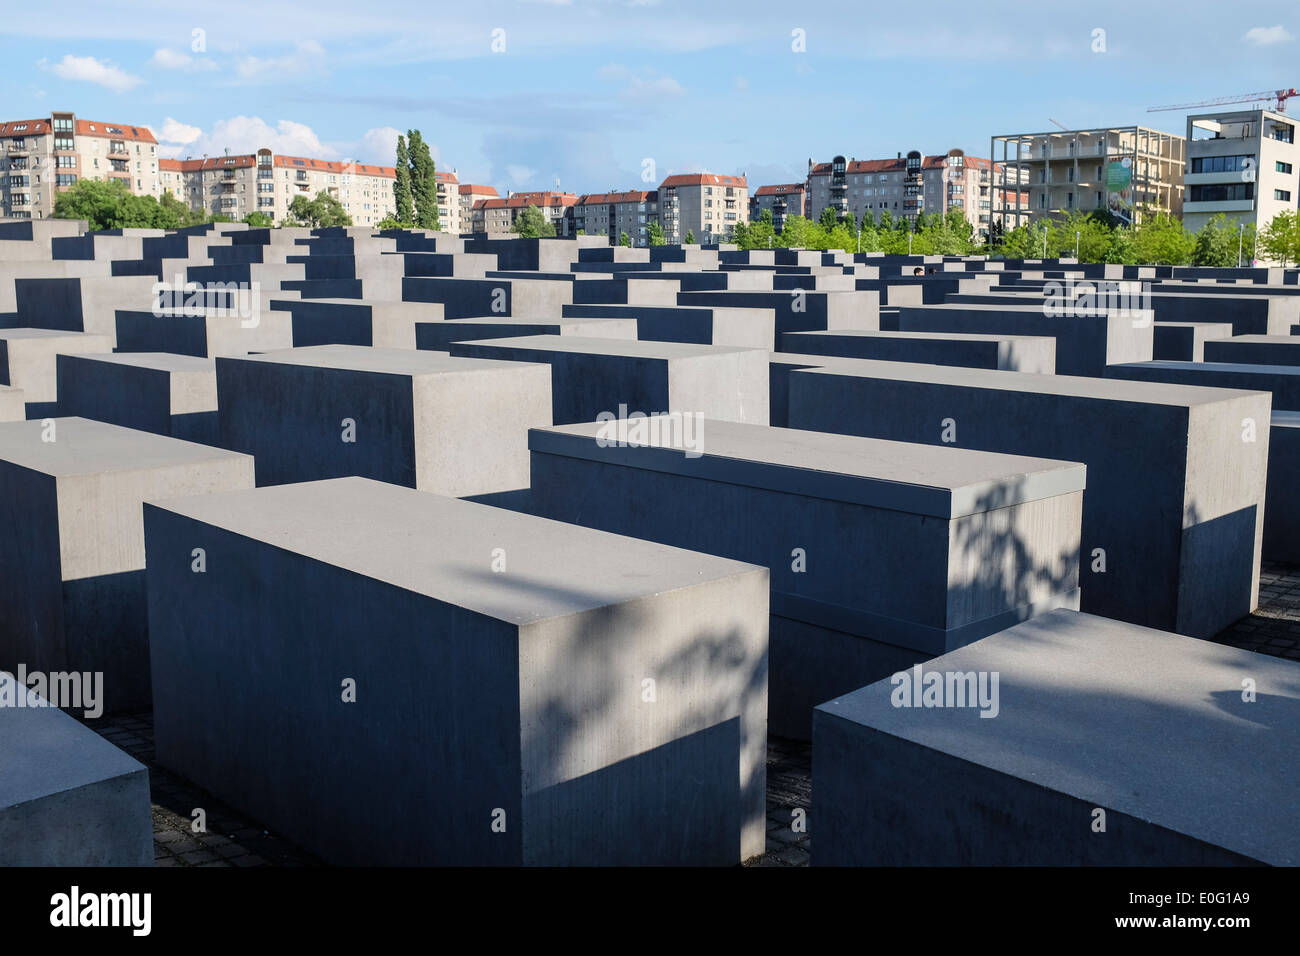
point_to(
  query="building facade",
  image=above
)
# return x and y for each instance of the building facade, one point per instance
(1123, 170)
(448, 202)
(496, 217)
(1242, 163)
(781, 201)
(264, 182)
(42, 157)
(471, 193)
(613, 214)
(905, 187)
(705, 205)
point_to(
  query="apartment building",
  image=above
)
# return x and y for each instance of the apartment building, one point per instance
(615, 213)
(704, 204)
(905, 187)
(40, 158)
(448, 202)
(1242, 163)
(470, 193)
(1124, 170)
(496, 216)
(264, 182)
(781, 201)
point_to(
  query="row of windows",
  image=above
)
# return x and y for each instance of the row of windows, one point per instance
(1220, 192)
(1221, 164)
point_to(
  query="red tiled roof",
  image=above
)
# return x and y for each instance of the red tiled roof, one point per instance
(519, 200)
(779, 190)
(889, 165)
(702, 179)
(332, 166)
(441, 177)
(630, 195)
(172, 165)
(471, 189)
(84, 128)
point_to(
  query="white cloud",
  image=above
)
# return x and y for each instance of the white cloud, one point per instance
(244, 134)
(741, 83)
(307, 57)
(1267, 36)
(520, 175)
(379, 146)
(87, 69)
(167, 59)
(640, 85)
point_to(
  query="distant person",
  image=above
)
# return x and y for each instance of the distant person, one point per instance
(916, 271)
(931, 271)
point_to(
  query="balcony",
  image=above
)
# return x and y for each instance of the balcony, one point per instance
(18, 149)
(118, 150)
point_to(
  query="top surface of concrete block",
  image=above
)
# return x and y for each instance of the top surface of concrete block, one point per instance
(85, 447)
(361, 358)
(43, 751)
(1141, 721)
(832, 334)
(1062, 385)
(159, 361)
(919, 479)
(627, 348)
(23, 334)
(441, 547)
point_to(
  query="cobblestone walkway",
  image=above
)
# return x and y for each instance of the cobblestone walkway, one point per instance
(234, 840)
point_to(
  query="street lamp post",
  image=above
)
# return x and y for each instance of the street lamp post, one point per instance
(1076, 246)
(1241, 236)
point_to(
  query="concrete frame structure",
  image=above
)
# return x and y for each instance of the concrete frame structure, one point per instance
(1066, 170)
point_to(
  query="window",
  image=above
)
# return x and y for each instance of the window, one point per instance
(19, 181)
(1220, 192)
(1282, 167)
(63, 143)
(1284, 132)
(62, 126)
(1069, 174)
(65, 162)
(1284, 195)
(65, 179)
(1220, 164)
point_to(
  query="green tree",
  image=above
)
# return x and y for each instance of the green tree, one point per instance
(1280, 239)
(402, 185)
(740, 235)
(322, 211)
(424, 182)
(259, 220)
(625, 240)
(533, 224)
(655, 234)
(827, 219)
(392, 222)
(98, 202)
(690, 237)
(1162, 239)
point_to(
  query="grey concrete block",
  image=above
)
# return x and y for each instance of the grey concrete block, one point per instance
(591, 376)
(1185, 341)
(12, 406)
(28, 360)
(518, 695)
(157, 392)
(454, 426)
(72, 557)
(390, 325)
(1085, 343)
(1282, 506)
(212, 333)
(1255, 350)
(797, 311)
(1017, 353)
(744, 328)
(67, 796)
(439, 336)
(1176, 475)
(1091, 714)
(1283, 381)
(897, 547)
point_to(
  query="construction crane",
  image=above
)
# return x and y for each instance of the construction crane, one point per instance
(1281, 96)
(1053, 122)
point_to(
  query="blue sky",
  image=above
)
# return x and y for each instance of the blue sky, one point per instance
(593, 92)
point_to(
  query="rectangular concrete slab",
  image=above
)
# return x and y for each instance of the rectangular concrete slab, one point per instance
(1016, 353)
(591, 376)
(454, 426)
(1283, 381)
(1092, 717)
(72, 560)
(155, 392)
(28, 360)
(438, 336)
(601, 700)
(1173, 514)
(990, 539)
(67, 796)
